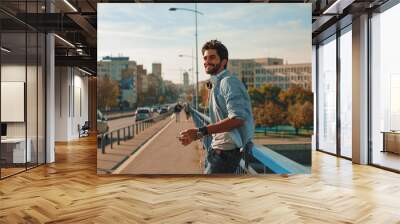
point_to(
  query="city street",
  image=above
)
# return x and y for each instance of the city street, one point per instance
(164, 154)
(155, 150)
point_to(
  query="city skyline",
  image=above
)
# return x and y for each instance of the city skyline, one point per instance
(108, 57)
(150, 33)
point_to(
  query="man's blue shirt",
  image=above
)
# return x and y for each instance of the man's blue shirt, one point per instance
(232, 101)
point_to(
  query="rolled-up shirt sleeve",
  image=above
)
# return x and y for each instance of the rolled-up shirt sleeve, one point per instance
(232, 92)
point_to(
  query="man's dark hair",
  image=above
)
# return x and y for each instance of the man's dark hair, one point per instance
(219, 47)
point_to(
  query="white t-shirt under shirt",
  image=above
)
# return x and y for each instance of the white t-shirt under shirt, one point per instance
(223, 141)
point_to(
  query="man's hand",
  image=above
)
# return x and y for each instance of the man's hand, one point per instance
(188, 136)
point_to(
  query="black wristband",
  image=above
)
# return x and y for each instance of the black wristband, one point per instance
(203, 130)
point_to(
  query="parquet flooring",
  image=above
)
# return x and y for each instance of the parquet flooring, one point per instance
(7, 171)
(69, 191)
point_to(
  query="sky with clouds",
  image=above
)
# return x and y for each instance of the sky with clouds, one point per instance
(149, 32)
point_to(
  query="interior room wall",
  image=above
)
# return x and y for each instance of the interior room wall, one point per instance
(61, 103)
(80, 110)
(71, 87)
(15, 73)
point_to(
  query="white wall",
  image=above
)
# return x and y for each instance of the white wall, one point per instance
(80, 94)
(13, 73)
(71, 87)
(61, 103)
(10, 73)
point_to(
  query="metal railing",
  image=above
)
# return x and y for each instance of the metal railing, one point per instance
(127, 132)
(262, 159)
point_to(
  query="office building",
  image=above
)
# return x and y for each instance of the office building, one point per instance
(156, 69)
(113, 66)
(142, 84)
(185, 80)
(282, 76)
(129, 84)
(258, 71)
(124, 71)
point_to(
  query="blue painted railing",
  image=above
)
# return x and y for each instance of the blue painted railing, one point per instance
(264, 159)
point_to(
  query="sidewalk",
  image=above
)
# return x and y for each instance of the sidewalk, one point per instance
(165, 154)
(106, 162)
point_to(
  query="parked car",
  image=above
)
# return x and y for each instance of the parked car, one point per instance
(142, 113)
(163, 110)
(102, 126)
(154, 110)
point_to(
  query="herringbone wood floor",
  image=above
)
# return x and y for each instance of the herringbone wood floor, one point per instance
(69, 191)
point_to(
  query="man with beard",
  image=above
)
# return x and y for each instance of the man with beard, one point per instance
(232, 125)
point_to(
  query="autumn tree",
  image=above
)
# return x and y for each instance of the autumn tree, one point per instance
(107, 92)
(271, 106)
(269, 115)
(189, 98)
(295, 94)
(300, 115)
(271, 93)
(161, 100)
(204, 95)
(256, 97)
(189, 93)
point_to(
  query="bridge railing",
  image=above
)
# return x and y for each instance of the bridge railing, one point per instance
(127, 132)
(262, 159)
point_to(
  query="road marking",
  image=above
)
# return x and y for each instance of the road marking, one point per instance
(132, 157)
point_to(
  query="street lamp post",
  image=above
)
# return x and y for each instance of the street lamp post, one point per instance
(197, 64)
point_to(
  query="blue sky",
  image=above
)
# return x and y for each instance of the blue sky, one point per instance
(149, 32)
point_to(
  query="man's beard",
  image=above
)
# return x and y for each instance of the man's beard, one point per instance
(214, 70)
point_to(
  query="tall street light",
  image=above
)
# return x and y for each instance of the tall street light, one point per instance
(197, 64)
